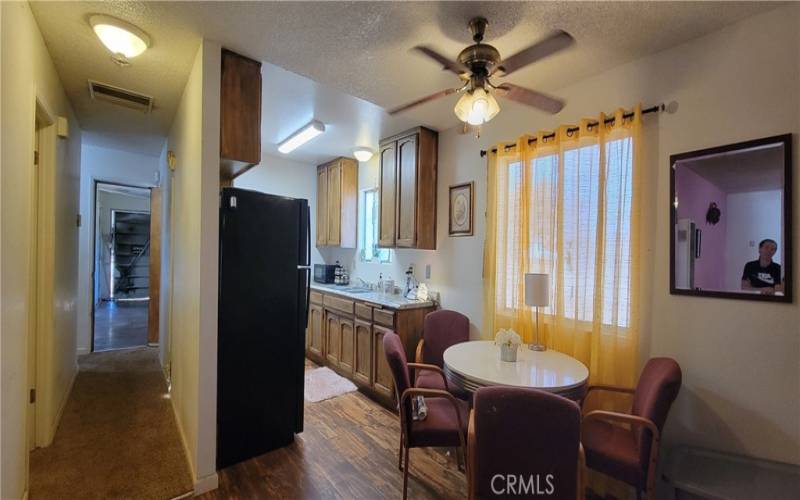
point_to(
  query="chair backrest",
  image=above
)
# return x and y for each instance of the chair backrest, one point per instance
(658, 387)
(398, 364)
(442, 329)
(524, 438)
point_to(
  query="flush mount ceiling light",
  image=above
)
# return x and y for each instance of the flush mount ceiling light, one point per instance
(477, 107)
(123, 39)
(302, 136)
(363, 153)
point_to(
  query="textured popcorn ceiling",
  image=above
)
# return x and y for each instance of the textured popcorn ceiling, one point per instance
(358, 49)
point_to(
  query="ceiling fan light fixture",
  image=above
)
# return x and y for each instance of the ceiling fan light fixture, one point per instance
(477, 107)
(120, 37)
(363, 154)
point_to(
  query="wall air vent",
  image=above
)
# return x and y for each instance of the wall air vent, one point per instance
(122, 97)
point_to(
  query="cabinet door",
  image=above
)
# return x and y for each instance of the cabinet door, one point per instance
(362, 371)
(382, 374)
(407, 191)
(388, 193)
(315, 331)
(333, 334)
(347, 345)
(334, 204)
(322, 206)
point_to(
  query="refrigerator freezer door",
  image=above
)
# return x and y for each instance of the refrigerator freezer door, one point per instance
(260, 355)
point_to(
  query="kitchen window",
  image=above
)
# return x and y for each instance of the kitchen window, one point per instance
(369, 235)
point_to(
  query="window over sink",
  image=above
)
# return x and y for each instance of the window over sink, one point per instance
(370, 214)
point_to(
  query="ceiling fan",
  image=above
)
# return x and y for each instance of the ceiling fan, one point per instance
(479, 63)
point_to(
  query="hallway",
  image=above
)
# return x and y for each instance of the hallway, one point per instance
(117, 438)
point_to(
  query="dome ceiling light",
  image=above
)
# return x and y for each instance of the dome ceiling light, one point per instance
(124, 40)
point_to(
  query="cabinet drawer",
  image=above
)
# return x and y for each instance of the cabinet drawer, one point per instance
(363, 311)
(338, 304)
(315, 297)
(384, 317)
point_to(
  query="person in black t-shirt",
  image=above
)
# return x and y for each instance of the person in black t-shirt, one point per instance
(763, 275)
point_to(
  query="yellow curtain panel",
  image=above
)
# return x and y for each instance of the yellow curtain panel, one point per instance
(567, 204)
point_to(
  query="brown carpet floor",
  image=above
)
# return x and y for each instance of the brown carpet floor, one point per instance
(117, 438)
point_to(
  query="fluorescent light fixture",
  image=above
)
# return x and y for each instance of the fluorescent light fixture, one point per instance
(120, 37)
(301, 137)
(363, 153)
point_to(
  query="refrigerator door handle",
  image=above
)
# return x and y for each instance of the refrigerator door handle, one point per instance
(308, 238)
(308, 293)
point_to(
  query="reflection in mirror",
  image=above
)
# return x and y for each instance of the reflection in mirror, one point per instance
(729, 236)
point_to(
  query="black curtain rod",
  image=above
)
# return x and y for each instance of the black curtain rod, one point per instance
(571, 130)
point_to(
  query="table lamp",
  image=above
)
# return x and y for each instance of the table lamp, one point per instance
(537, 294)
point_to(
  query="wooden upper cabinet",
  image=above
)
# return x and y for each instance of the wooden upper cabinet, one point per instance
(337, 203)
(322, 206)
(240, 114)
(409, 163)
(407, 191)
(388, 194)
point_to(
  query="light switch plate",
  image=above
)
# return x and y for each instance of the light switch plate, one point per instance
(428, 272)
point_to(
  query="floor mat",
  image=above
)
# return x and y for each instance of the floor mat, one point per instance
(323, 383)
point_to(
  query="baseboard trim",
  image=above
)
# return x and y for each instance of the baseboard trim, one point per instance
(183, 438)
(83, 350)
(206, 484)
(52, 434)
(25, 495)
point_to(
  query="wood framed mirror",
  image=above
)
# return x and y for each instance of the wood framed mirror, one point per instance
(730, 221)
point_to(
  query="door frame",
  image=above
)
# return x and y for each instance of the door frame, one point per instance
(93, 267)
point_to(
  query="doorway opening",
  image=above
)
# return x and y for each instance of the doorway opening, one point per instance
(122, 251)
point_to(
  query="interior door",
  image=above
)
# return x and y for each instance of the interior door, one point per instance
(407, 192)
(322, 206)
(335, 204)
(388, 193)
(154, 282)
(33, 294)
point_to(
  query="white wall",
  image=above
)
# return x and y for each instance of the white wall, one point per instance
(741, 387)
(110, 165)
(284, 177)
(194, 138)
(757, 215)
(28, 74)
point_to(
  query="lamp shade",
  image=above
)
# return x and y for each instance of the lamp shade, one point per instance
(537, 289)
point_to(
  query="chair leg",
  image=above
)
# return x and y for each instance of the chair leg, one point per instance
(400, 454)
(405, 475)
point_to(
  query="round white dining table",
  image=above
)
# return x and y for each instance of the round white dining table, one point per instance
(476, 364)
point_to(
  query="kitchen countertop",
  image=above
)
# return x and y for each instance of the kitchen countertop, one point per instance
(393, 301)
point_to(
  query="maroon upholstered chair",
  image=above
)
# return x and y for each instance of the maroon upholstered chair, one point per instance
(446, 421)
(524, 442)
(630, 454)
(441, 329)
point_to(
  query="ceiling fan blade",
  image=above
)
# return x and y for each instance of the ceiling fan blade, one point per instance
(530, 97)
(455, 67)
(550, 45)
(437, 95)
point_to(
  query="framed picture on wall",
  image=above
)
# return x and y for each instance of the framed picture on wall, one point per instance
(461, 209)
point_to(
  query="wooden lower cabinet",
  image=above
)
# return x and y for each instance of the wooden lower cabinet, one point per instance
(382, 374)
(333, 334)
(315, 329)
(362, 371)
(347, 336)
(347, 353)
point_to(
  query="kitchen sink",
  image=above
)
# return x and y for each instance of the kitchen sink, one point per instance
(355, 289)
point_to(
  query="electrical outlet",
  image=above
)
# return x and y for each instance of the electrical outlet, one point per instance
(428, 272)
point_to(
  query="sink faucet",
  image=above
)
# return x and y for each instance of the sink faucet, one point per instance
(365, 284)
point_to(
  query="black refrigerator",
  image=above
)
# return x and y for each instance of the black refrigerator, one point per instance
(264, 278)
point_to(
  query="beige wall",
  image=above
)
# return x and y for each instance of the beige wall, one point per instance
(740, 359)
(28, 74)
(194, 137)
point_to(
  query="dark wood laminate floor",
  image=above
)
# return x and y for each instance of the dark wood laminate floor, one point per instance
(119, 326)
(348, 449)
